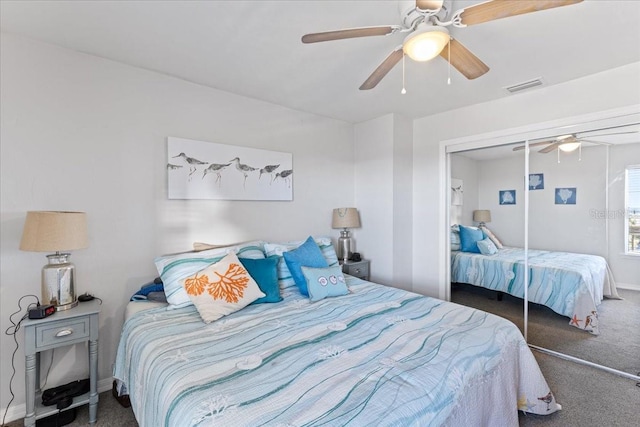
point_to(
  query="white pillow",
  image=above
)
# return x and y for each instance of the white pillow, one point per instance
(492, 236)
(221, 288)
(173, 268)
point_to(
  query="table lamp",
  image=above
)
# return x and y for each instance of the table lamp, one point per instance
(345, 218)
(49, 231)
(481, 217)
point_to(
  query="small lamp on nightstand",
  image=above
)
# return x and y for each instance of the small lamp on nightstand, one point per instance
(345, 218)
(49, 231)
(481, 217)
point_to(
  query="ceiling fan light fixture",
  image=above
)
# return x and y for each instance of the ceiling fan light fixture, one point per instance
(568, 147)
(426, 43)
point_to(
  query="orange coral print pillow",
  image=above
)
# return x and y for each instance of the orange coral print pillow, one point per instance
(221, 288)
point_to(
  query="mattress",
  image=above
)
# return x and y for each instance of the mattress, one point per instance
(377, 356)
(570, 284)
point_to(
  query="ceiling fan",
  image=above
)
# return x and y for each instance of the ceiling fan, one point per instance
(428, 36)
(568, 143)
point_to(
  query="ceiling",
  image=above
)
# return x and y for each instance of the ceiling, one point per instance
(253, 48)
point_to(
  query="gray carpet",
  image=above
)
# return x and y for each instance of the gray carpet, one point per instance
(617, 346)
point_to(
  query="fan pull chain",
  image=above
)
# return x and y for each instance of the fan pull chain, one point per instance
(558, 150)
(403, 91)
(580, 152)
(449, 60)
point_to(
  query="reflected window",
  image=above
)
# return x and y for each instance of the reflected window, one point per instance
(632, 211)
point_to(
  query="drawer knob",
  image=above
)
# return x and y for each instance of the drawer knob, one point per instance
(64, 332)
(357, 270)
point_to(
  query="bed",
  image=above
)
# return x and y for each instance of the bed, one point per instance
(570, 284)
(375, 356)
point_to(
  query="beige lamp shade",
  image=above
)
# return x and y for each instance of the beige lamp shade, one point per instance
(51, 231)
(345, 218)
(482, 216)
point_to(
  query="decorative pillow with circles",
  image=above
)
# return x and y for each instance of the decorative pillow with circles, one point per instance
(325, 282)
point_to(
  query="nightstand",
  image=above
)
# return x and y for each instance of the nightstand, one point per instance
(63, 328)
(359, 269)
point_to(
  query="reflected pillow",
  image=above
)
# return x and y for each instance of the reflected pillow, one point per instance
(468, 238)
(221, 288)
(308, 255)
(325, 282)
(455, 238)
(490, 235)
(487, 247)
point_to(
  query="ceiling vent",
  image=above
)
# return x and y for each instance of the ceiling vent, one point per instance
(525, 85)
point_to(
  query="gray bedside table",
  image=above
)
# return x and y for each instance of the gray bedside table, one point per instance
(359, 269)
(63, 328)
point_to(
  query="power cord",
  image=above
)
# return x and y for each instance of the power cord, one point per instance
(13, 330)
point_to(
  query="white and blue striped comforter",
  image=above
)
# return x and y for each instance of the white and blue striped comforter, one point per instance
(568, 283)
(378, 356)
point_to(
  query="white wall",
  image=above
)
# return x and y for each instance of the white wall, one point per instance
(374, 194)
(383, 193)
(603, 91)
(84, 133)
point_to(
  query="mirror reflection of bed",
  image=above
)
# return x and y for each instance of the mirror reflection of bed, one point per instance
(588, 221)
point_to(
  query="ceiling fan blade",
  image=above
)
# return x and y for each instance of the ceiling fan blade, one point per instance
(382, 70)
(497, 9)
(429, 4)
(533, 144)
(463, 60)
(349, 33)
(551, 147)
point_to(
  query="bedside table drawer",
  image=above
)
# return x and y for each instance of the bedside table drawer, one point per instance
(358, 269)
(62, 332)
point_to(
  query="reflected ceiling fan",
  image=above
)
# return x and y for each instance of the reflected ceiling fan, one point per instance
(570, 142)
(426, 23)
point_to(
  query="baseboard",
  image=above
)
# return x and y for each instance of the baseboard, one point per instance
(629, 286)
(17, 412)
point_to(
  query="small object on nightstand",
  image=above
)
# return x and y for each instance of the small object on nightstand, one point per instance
(85, 297)
(359, 269)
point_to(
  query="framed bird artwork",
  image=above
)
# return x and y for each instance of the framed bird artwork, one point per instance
(209, 170)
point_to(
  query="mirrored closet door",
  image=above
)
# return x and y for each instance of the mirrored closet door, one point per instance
(577, 205)
(567, 213)
(487, 196)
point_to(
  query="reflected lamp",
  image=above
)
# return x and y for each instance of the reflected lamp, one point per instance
(482, 217)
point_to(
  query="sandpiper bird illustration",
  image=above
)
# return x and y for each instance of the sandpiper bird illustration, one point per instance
(285, 175)
(215, 168)
(268, 169)
(245, 169)
(191, 162)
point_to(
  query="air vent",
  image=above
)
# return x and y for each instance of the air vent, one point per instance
(525, 85)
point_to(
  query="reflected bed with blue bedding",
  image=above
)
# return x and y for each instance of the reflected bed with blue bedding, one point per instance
(570, 284)
(377, 356)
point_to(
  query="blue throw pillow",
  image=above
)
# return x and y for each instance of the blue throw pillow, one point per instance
(309, 255)
(468, 238)
(265, 273)
(487, 247)
(325, 282)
